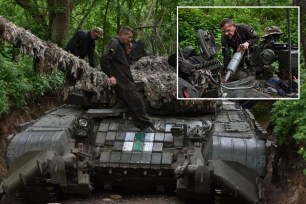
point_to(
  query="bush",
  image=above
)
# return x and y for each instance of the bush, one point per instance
(4, 103)
(18, 81)
(289, 119)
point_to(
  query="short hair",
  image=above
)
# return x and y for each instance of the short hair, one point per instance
(225, 21)
(125, 29)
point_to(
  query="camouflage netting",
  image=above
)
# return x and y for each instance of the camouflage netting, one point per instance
(160, 83)
(51, 57)
(159, 78)
(200, 80)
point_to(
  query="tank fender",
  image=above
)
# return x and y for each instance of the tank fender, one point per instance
(196, 176)
(237, 179)
(24, 169)
(201, 173)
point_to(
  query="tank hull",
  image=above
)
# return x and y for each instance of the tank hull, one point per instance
(195, 156)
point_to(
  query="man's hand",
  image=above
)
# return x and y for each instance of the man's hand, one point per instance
(113, 81)
(244, 46)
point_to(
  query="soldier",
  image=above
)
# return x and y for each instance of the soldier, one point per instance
(271, 35)
(236, 36)
(115, 64)
(83, 43)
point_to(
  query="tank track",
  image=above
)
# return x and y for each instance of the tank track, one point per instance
(39, 190)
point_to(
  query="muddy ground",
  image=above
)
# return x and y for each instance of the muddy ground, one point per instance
(290, 188)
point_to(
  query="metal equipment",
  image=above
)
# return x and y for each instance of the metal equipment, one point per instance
(233, 64)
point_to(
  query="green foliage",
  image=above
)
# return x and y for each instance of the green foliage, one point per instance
(41, 83)
(235, 3)
(15, 84)
(135, 14)
(13, 12)
(289, 119)
(18, 82)
(196, 3)
(283, 118)
(192, 19)
(4, 103)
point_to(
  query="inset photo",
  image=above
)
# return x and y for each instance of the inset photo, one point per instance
(238, 52)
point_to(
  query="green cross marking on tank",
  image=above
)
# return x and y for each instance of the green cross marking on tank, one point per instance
(137, 146)
(140, 136)
(138, 143)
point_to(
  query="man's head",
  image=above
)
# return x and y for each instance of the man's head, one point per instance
(272, 30)
(272, 34)
(228, 27)
(126, 34)
(97, 33)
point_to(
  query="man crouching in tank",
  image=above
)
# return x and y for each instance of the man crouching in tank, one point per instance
(240, 38)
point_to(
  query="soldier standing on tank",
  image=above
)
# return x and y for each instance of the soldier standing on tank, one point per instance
(83, 43)
(115, 65)
(234, 36)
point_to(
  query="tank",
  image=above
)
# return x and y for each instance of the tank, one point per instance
(71, 150)
(207, 150)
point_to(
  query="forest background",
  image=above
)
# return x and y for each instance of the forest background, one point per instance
(155, 24)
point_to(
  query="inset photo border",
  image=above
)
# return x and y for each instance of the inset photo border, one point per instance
(238, 52)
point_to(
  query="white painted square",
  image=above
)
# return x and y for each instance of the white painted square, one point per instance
(149, 137)
(147, 146)
(130, 136)
(127, 146)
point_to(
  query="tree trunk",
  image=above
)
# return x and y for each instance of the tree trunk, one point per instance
(302, 4)
(130, 3)
(146, 21)
(59, 19)
(258, 3)
(104, 21)
(118, 16)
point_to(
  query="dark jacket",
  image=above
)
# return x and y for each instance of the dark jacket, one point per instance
(114, 63)
(81, 44)
(244, 33)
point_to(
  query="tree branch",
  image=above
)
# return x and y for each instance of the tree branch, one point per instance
(34, 11)
(85, 16)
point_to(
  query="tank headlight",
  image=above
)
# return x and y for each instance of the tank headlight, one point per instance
(83, 122)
